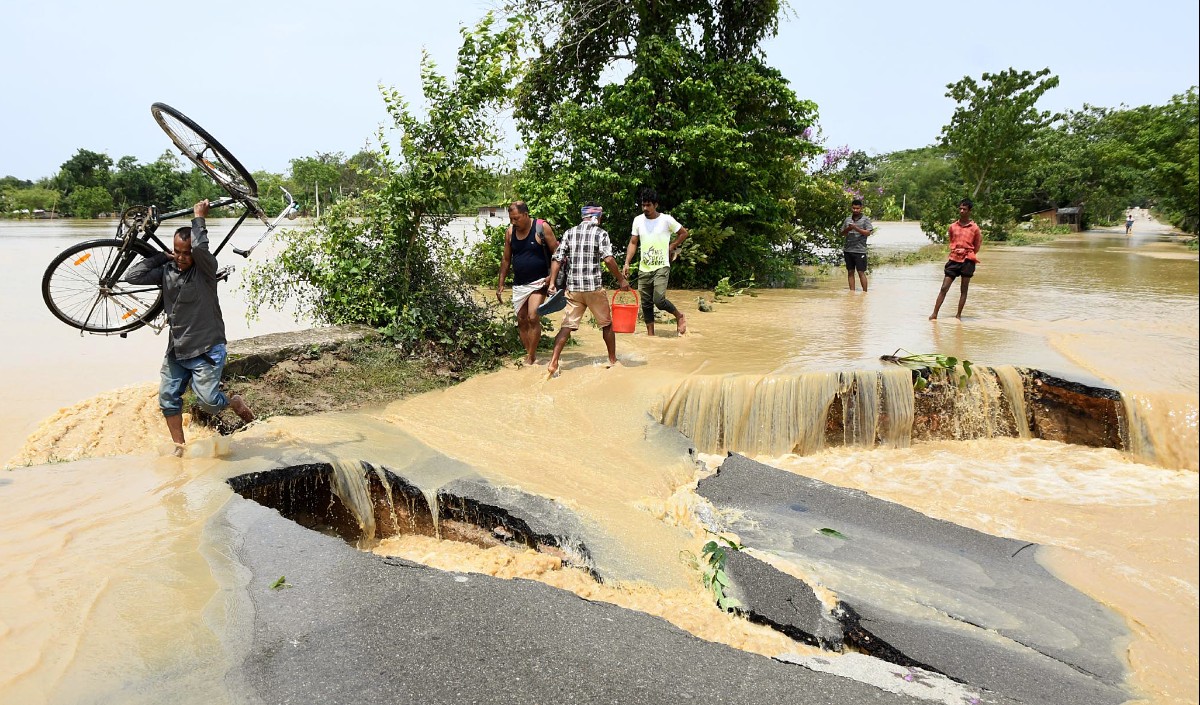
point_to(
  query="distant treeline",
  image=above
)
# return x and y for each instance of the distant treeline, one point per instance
(1105, 160)
(90, 185)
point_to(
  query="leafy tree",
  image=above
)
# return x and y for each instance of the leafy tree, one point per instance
(384, 257)
(917, 177)
(993, 124)
(699, 117)
(89, 201)
(197, 186)
(85, 169)
(159, 183)
(31, 199)
(1111, 159)
(270, 195)
(1169, 146)
(322, 172)
(357, 172)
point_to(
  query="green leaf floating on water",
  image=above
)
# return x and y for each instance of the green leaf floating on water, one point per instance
(280, 582)
(832, 532)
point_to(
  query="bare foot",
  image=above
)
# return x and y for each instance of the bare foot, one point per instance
(239, 407)
(681, 324)
(530, 360)
(933, 317)
(179, 450)
(552, 369)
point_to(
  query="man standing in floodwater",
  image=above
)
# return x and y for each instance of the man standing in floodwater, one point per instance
(196, 339)
(528, 245)
(585, 246)
(654, 232)
(856, 228)
(965, 240)
(1128, 222)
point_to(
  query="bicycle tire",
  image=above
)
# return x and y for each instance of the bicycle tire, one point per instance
(72, 290)
(206, 152)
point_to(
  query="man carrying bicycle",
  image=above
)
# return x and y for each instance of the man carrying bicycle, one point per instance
(196, 342)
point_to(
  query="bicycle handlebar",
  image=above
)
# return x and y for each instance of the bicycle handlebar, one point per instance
(288, 211)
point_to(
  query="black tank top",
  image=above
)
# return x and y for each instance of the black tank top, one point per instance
(530, 259)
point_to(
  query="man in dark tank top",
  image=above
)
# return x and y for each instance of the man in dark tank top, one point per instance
(528, 245)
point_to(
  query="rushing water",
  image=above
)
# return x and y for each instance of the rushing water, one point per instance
(112, 572)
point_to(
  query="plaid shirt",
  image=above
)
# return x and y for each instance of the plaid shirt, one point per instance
(587, 245)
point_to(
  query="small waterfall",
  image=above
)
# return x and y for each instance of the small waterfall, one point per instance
(898, 407)
(349, 483)
(859, 394)
(1161, 431)
(431, 498)
(779, 414)
(1014, 391)
(391, 500)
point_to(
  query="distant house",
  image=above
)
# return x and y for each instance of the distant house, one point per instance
(493, 211)
(1044, 218)
(1071, 216)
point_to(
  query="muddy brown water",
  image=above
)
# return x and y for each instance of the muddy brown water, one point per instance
(111, 571)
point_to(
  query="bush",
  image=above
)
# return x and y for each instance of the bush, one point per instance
(385, 258)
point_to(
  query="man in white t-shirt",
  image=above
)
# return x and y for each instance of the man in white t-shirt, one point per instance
(660, 236)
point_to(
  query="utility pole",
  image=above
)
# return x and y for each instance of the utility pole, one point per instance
(317, 197)
(903, 205)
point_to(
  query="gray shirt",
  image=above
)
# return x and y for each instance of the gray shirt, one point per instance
(856, 242)
(189, 298)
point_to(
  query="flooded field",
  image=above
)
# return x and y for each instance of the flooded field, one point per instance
(117, 584)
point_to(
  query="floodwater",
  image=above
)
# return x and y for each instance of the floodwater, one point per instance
(111, 572)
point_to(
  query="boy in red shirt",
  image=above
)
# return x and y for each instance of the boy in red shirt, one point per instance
(965, 239)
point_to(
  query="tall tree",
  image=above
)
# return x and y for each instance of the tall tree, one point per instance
(698, 116)
(85, 169)
(994, 121)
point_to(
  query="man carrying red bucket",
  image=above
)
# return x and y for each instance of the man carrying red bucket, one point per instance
(584, 247)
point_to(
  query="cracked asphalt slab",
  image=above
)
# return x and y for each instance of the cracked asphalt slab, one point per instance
(975, 607)
(354, 627)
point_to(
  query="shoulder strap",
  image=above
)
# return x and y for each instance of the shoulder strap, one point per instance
(539, 229)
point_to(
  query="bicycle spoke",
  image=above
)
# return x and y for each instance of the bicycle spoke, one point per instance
(72, 287)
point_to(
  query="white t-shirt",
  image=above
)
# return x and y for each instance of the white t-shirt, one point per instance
(654, 238)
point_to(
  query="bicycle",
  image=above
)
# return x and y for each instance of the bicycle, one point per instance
(83, 285)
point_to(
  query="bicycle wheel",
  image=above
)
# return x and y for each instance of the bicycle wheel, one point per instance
(205, 152)
(73, 289)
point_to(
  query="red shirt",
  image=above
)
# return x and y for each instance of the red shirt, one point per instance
(964, 241)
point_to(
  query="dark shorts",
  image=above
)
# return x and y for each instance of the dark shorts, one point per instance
(964, 269)
(855, 260)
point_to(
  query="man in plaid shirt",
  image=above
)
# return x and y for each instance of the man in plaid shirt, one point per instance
(585, 246)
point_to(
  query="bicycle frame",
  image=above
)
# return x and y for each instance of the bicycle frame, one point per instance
(151, 222)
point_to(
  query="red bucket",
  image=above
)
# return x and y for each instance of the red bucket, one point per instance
(624, 316)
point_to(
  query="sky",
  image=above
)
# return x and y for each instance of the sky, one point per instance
(278, 80)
